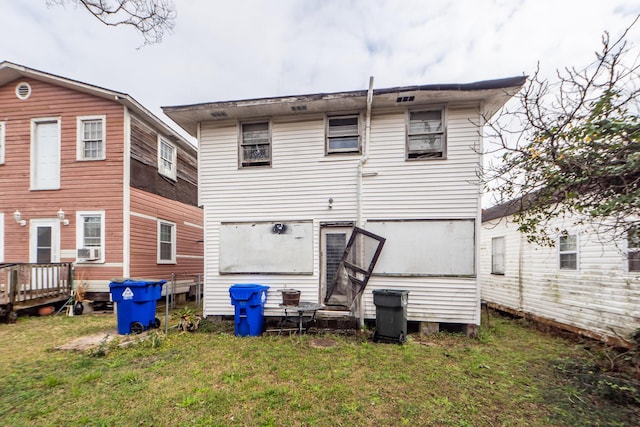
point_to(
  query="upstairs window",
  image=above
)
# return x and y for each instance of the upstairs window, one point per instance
(426, 135)
(497, 255)
(633, 247)
(91, 133)
(166, 242)
(167, 158)
(2, 139)
(568, 252)
(255, 144)
(343, 134)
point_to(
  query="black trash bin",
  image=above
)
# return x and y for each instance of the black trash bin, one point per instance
(391, 315)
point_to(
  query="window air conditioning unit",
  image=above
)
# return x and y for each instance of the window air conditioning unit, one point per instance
(89, 254)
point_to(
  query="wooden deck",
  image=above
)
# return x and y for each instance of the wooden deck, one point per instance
(28, 285)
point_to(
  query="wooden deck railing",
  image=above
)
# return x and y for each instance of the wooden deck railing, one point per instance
(30, 283)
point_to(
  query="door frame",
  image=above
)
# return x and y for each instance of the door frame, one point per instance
(54, 223)
(325, 228)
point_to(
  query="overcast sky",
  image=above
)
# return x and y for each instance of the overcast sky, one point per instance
(235, 49)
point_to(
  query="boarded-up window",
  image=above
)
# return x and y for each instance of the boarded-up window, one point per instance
(266, 247)
(497, 255)
(255, 144)
(568, 252)
(426, 247)
(633, 244)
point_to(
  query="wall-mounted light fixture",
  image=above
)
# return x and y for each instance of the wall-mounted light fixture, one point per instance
(330, 202)
(61, 217)
(18, 217)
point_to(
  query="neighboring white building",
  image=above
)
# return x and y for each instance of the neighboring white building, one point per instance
(284, 180)
(588, 283)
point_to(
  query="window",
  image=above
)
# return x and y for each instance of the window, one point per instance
(497, 255)
(633, 246)
(2, 139)
(166, 242)
(90, 236)
(45, 154)
(568, 252)
(167, 158)
(1, 237)
(255, 144)
(426, 135)
(91, 133)
(343, 134)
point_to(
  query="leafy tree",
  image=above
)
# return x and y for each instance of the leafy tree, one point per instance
(572, 146)
(152, 18)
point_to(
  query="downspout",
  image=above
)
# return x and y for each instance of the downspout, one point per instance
(365, 153)
(359, 190)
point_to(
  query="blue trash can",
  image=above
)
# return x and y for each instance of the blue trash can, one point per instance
(136, 304)
(249, 300)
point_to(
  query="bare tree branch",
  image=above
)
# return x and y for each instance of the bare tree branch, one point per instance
(578, 151)
(151, 18)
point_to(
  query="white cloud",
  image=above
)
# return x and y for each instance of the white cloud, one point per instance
(248, 49)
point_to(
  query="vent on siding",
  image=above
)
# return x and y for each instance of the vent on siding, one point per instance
(299, 108)
(405, 98)
(23, 90)
(218, 114)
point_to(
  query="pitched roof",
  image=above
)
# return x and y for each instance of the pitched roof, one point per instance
(10, 71)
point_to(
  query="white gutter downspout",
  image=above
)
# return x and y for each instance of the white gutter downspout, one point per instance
(363, 160)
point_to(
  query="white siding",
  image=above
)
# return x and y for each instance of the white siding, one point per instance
(300, 181)
(600, 297)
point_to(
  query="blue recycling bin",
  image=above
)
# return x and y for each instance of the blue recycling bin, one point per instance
(136, 304)
(249, 300)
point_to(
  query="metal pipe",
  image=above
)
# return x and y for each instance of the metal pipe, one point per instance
(359, 191)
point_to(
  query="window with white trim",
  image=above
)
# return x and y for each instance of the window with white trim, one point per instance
(426, 134)
(568, 252)
(255, 144)
(166, 242)
(497, 255)
(90, 232)
(1, 237)
(633, 248)
(91, 137)
(167, 158)
(2, 141)
(343, 134)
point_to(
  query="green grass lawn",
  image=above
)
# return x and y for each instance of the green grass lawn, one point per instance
(513, 375)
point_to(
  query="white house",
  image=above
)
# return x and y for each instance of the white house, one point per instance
(284, 180)
(589, 283)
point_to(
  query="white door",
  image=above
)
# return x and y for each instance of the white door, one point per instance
(333, 241)
(45, 167)
(45, 249)
(45, 241)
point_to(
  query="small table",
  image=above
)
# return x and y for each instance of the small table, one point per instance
(298, 311)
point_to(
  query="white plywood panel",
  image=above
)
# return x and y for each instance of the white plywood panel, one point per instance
(437, 247)
(267, 247)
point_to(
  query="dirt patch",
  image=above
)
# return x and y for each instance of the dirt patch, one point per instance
(323, 343)
(91, 342)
